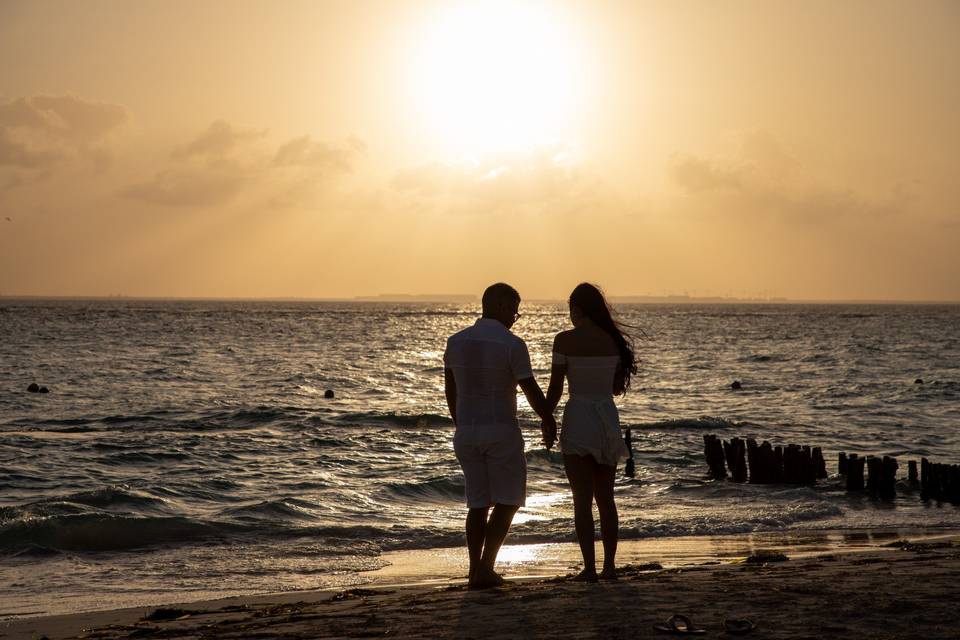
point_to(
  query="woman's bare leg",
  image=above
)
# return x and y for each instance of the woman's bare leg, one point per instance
(603, 479)
(580, 473)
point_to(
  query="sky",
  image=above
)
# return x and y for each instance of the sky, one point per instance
(806, 150)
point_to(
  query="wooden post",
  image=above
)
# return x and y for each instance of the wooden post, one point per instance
(842, 464)
(924, 479)
(768, 464)
(955, 484)
(735, 452)
(740, 475)
(874, 471)
(933, 482)
(912, 472)
(789, 463)
(888, 478)
(713, 451)
(777, 475)
(753, 460)
(807, 465)
(728, 454)
(819, 463)
(949, 474)
(793, 465)
(855, 473)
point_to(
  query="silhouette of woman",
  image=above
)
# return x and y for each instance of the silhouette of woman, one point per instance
(597, 359)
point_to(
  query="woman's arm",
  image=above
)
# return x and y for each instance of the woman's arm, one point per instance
(619, 380)
(557, 374)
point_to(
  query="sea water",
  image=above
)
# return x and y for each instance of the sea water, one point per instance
(186, 449)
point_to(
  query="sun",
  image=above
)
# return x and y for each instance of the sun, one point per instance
(494, 76)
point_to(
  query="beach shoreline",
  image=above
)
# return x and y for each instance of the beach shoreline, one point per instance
(919, 575)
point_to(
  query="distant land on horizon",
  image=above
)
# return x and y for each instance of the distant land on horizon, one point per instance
(466, 298)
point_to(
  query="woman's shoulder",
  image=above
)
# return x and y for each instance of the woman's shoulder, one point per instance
(585, 343)
(561, 342)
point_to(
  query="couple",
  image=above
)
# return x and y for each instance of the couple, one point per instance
(483, 365)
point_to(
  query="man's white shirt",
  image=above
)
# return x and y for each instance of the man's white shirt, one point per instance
(487, 360)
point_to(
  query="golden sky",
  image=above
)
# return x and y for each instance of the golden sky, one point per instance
(807, 150)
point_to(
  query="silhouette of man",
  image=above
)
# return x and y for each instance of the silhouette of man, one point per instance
(483, 365)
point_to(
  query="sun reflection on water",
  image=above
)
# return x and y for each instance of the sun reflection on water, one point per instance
(522, 553)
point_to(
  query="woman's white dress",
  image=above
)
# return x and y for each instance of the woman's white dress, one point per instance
(591, 423)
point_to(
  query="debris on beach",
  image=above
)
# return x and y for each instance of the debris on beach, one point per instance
(357, 593)
(170, 613)
(763, 557)
(907, 545)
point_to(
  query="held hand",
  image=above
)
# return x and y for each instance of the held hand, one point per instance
(548, 428)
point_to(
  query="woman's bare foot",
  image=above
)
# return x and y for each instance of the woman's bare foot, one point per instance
(587, 575)
(609, 573)
(485, 579)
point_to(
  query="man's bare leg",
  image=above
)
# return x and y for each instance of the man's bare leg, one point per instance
(476, 532)
(496, 531)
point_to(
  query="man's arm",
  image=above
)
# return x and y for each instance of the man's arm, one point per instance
(535, 397)
(450, 390)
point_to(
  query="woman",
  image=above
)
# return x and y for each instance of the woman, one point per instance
(597, 359)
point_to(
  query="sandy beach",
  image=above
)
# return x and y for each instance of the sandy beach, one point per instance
(895, 590)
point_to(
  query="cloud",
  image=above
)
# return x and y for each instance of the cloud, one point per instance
(218, 140)
(68, 117)
(763, 177)
(696, 175)
(519, 181)
(304, 152)
(16, 153)
(225, 160)
(191, 187)
(38, 132)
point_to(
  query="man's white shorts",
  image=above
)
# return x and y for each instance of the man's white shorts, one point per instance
(493, 463)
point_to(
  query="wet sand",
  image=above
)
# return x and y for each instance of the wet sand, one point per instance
(892, 591)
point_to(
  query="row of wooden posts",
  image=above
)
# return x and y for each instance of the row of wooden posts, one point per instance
(763, 463)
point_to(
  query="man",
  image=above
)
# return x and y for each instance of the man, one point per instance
(483, 365)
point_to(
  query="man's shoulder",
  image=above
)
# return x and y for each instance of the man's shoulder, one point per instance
(488, 333)
(516, 341)
(465, 333)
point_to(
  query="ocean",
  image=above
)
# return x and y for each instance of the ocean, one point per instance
(186, 448)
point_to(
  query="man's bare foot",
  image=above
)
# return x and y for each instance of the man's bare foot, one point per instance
(609, 573)
(587, 575)
(485, 579)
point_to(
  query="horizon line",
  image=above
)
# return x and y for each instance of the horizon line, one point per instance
(472, 298)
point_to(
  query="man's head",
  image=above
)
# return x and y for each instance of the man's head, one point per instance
(501, 302)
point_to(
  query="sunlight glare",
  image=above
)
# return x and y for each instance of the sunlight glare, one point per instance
(498, 76)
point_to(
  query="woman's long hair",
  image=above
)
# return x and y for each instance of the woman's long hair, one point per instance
(590, 301)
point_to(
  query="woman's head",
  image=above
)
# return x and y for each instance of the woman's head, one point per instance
(587, 302)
